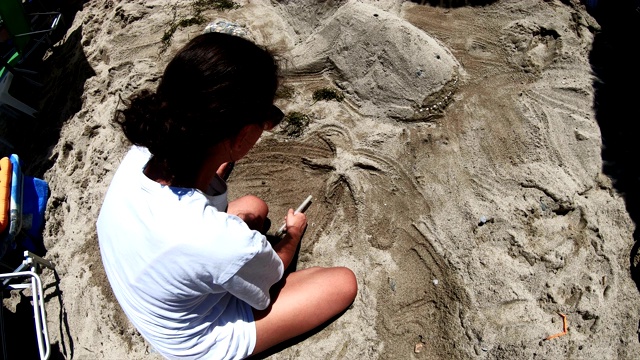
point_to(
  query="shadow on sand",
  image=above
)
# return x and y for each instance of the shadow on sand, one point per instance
(615, 64)
(57, 100)
(62, 75)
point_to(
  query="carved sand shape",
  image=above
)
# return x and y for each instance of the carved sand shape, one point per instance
(352, 184)
(362, 46)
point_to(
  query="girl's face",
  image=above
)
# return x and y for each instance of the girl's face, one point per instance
(250, 134)
(248, 137)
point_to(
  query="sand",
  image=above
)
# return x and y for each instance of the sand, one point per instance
(460, 178)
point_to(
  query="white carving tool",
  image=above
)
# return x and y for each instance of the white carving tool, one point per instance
(301, 209)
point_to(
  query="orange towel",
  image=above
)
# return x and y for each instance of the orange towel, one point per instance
(5, 192)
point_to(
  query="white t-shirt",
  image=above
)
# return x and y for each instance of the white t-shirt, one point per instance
(185, 273)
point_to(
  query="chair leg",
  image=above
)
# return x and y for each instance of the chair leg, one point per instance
(6, 98)
(40, 317)
(39, 313)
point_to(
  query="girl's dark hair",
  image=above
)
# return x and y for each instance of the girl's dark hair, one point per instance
(211, 89)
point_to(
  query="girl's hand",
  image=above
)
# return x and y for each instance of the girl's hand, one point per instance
(295, 224)
(294, 227)
(225, 170)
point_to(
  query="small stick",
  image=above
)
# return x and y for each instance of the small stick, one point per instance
(564, 328)
(301, 209)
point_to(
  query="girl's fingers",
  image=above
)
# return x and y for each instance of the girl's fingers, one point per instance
(225, 170)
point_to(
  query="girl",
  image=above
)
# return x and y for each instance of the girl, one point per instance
(193, 273)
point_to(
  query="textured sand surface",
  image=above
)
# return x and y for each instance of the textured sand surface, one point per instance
(461, 177)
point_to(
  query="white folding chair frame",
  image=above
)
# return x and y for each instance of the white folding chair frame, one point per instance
(39, 314)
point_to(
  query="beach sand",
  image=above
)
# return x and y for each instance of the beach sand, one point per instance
(460, 178)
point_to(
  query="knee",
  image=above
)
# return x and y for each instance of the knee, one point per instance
(260, 207)
(346, 284)
(350, 283)
(251, 209)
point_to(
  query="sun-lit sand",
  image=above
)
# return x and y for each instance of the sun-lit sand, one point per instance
(460, 178)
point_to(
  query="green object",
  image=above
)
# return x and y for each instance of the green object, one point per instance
(15, 21)
(294, 123)
(12, 60)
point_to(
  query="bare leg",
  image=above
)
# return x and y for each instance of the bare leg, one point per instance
(251, 209)
(306, 300)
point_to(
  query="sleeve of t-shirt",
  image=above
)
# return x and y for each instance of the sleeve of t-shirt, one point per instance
(251, 283)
